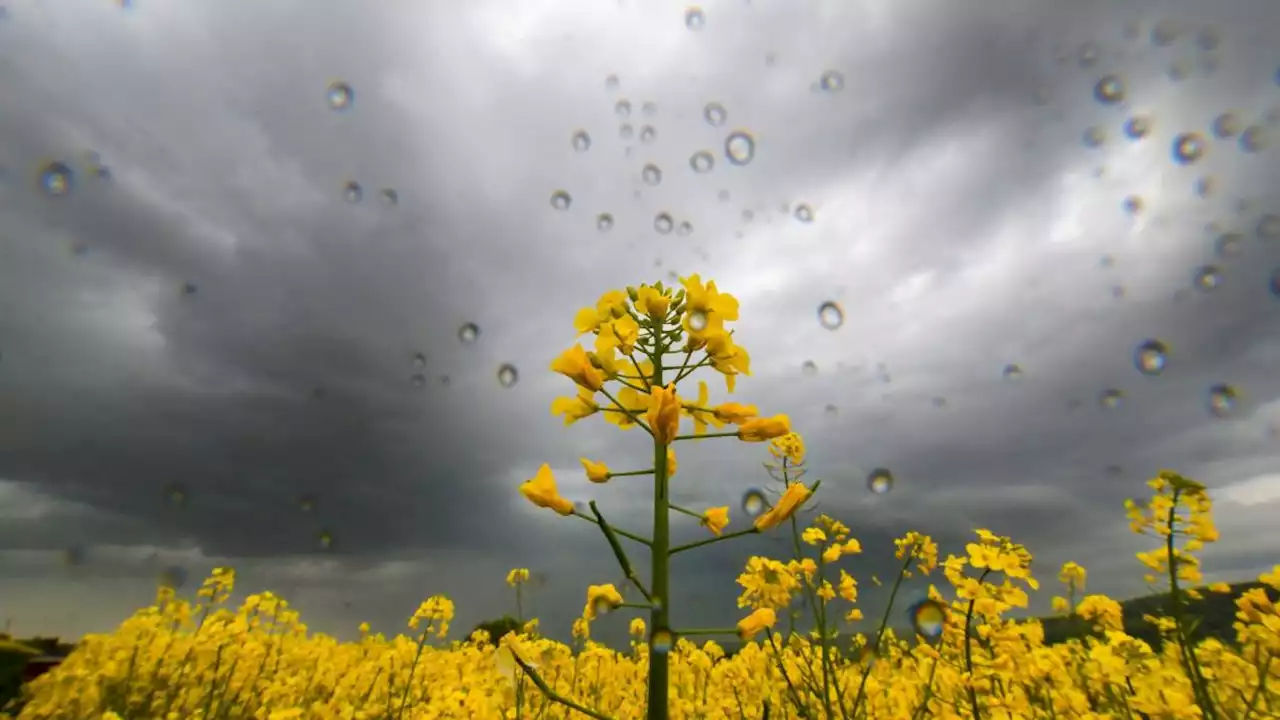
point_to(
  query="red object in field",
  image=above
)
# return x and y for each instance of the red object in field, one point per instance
(38, 666)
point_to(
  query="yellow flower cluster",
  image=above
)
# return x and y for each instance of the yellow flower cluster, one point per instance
(200, 659)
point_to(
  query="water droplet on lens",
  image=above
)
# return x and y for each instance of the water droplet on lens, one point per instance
(74, 555)
(622, 108)
(56, 179)
(715, 114)
(560, 200)
(468, 333)
(831, 410)
(1163, 33)
(753, 503)
(804, 213)
(1208, 39)
(1188, 148)
(1109, 89)
(694, 18)
(625, 132)
(1275, 282)
(417, 380)
(1111, 398)
(880, 481)
(1012, 371)
(1207, 278)
(419, 360)
(173, 577)
(1204, 186)
(604, 222)
(1138, 127)
(176, 495)
(1269, 227)
(508, 375)
(1228, 244)
(1227, 125)
(1132, 205)
(697, 321)
(1254, 139)
(663, 223)
(740, 147)
(809, 368)
(648, 134)
(324, 539)
(1093, 137)
(190, 288)
(581, 141)
(352, 192)
(830, 315)
(1151, 357)
(306, 504)
(390, 197)
(831, 81)
(649, 108)
(612, 82)
(651, 174)
(1223, 400)
(1087, 55)
(340, 96)
(702, 161)
(684, 229)
(662, 641)
(928, 617)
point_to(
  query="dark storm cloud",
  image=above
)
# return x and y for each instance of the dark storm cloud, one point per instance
(231, 325)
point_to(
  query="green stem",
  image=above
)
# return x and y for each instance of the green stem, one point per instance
(968, 651)
(704, 436)
(686, 511)
(658, 695)
(554, 696)
(631, 472)
(1184, 637)
(884, 621)
(616, 531)
(1262, 685)
(623, 408)
(618, 552)
(639, 606)
(709, 541)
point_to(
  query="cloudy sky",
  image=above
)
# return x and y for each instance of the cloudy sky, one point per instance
(194, 307)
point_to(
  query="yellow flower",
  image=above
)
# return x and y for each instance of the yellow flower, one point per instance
(637, 627)
(813, 536)
(715, 519)
(761, 429)
(789, 446)
(664, 414)
(671, 462)
(541, 491)
(575, 365)
(652, 302)
(575, 408)
(596, 472)
(791, 500)
(751, 625)
(734, 413)
(1219, 587)
(601, 599)
(832, 554)
(517, 576)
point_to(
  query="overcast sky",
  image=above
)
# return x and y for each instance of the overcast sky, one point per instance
(203, 311)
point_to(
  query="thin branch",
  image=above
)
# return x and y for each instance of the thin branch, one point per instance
(554, 696)
(709, 541)
(619, 552)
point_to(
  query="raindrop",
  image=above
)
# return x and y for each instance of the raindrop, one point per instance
(1228, 244)
(1207, 278)
(622, 108)
(1254, 139)
(1138, 126)
(340, 96)
(809, 368)
(1093, 137)
(939, 402)
(1151, 357)
(176, 495)
(1188, 148)
(1109, 89)
(468, 333)
(306, 504)
(928, 617)
(1204, 186)
(1087, 55)
(662, 641)
(625, 131)
(831, 81)
(612, 83)
(1223, 400)
(753, 503)
(685, 228)
(715, 114)
(74, 555)
(173, 577)
(1132, 205)
(1111, 398)
(663, 223)
(649, 108)
(56, 179)
(830, 315)
(648, 134)
(1012, 371)
(419, 360)
(508, 375)
(1269, 227)
(1227, 125)
(651, 174)
(1275, 282)
(740, 147)
(390, 197)
(560, 200)
(694, 18)
(1208, 39)
(324, 539)
(1179, 70)
(880, 481)
(702, 161)
(352, 192)
(604, 222)
(190, 288)
(417, 380)
(697, 321)
(581, 141)
(804, 213)
(1164, 33)
(831, 410)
